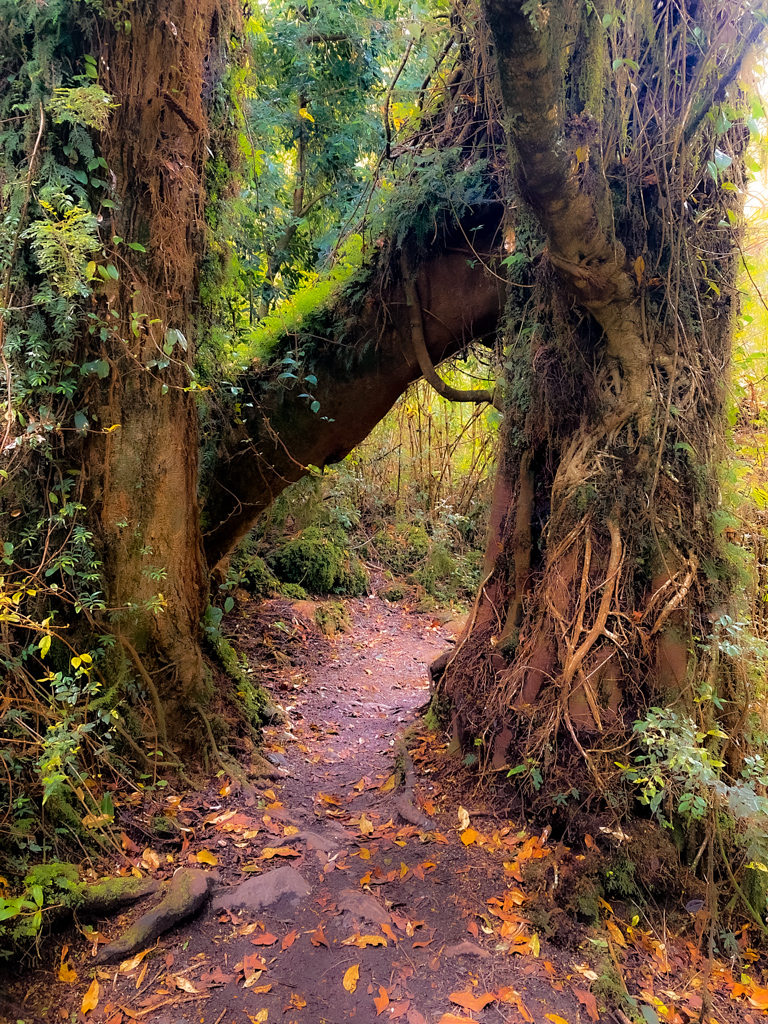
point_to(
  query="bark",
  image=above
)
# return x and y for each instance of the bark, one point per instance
(360, 373)
(142, 476)
(595, 587)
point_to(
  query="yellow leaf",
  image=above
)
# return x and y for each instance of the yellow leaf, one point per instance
(91, 998)
(366, 826)
(403, 869)
(206, 857)
(535, 944)
(278, 851)
(555, 1018)
(259, 1017)
(639, 268)
(303, 112)
(616, 934)
(351, 978)
(183, 983)
(468, 836)
(128, 965)
(364, 940)
(291, 830)
(364, 853)
(581, 154)
(150, 860)
(67, 974)
(387, 786)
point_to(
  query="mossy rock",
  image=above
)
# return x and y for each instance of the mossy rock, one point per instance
(320, 566)
(402, 548)
(332, 618)
(258, 579)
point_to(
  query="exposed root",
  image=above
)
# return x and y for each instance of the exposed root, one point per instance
(404, 803)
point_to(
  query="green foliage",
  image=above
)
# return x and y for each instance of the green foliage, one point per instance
(319, 565)
(45, 890)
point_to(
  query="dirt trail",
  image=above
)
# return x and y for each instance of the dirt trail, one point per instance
(328, 906)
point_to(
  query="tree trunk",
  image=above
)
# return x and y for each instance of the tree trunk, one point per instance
(606, 561)
(142, 475)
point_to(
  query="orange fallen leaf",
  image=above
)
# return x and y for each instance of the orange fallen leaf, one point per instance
(511, 995)
(616, 934)
(381, 1001)
(451, 1018)
(296, 1002)
(440, 838)
(351, 978)
(403, 870)
(258, 1018)
(289, 939)
(278, 851)
(265, 939)
(260, 990)
(470, 1001)
(473, 929)
(469, 836)
(387, 929)
(91, 997)
(584, 996)
(555, 1018)
(67, 974)
(317, 938)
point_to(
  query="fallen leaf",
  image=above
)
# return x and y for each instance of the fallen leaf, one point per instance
(116, 1018)
(381, 1001)
(555, 1018)
(463, 818)
(260, 1017)
(91, 997)
(351, 978)
(317, 938)
(278, 851)
(469, 836)
(616, 933)
(142, 975)
(67, 974)
(511, 995)
(128, 965)
(403, 870)
(470, 1001)
(365, 826)
(387, 929)
(296, 1002)
(289, 939)
(451, 1018)
(183, 983)
(150, 860)
(265, 939)
(206, 857)
(414, 1017)
(586, 997)
(473, 929)
(361, 941)
(388, 786)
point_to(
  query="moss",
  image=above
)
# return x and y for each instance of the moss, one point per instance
(293, 591)
(257, 578)
(332, 618)
(397, 592)
(315, 562)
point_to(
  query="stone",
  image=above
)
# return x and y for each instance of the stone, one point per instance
(265, 890)
(465, 949)
(314, 841)
(185, 895)
(363, 907)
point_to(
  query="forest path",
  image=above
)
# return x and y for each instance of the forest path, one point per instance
(420, 896)
(327, 906)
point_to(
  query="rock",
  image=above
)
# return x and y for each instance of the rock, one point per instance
(465, 949)
(363, 907)
(186, 894)
(110, 894)
(314, 841)
(265, 891)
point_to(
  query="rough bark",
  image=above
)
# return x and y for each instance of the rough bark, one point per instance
(142, 475)
(604, 508)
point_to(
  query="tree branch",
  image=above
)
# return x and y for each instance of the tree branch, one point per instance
(430, 374)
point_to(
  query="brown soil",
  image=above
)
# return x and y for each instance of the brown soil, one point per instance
(451, 904)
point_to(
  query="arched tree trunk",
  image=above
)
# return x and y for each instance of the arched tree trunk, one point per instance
(606, 562)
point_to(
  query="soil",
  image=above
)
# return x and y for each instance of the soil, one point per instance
(327, 905)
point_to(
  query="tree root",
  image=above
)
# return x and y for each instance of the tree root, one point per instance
(232, 769)
(162, 732)
(404, 804)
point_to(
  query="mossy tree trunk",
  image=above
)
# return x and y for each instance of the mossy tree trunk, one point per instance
(607, 562)
(142, 475)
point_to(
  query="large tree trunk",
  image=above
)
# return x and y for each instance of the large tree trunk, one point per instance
(142, 476)
(605, 560)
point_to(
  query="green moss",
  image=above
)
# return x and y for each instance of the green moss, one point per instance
(333, 617)
(319, 565)
(402, 547)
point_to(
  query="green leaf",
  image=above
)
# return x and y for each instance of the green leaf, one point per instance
(81, 422)
(136, 246)
(315, 406)
(36, 893)
(112, 271)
